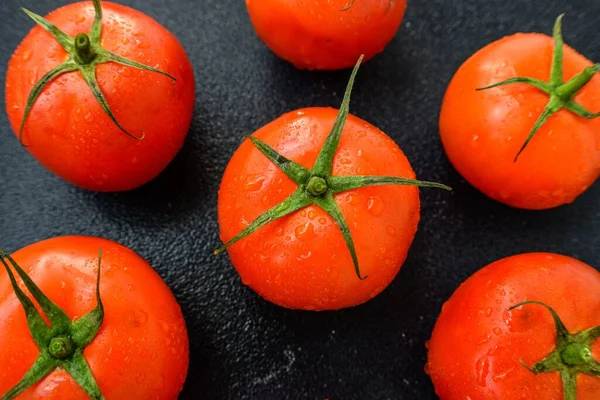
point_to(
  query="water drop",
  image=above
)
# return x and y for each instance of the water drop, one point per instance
(375, 205)
(482, 369)
(254, 183)
(391, 230)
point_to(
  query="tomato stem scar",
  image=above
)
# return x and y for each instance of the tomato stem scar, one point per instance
(62, 343)
(561, 93)
(571, 356)
(318, 186)
(84, 56)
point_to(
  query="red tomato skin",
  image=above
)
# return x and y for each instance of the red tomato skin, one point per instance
(141, 350)
(301, 261)
(68, 132)
(316, 34)
(482, 131)
(476, 345)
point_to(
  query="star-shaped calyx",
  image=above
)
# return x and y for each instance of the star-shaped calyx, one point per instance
(84, 55)
(317, 186)
(571, 356)
(561, 93)
(62, 343)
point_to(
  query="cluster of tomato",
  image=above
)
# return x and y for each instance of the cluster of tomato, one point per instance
(317, 209)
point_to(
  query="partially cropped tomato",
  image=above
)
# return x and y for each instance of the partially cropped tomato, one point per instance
(518, 136)
(105, 105)
(314, 209)
(524, 327)
(127, 341)
(326, 34)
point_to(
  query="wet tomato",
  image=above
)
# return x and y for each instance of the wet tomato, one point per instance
(106, 100)
(318, 209)
(522, 139)
(126, 341)
(326, 34)
(524, 327)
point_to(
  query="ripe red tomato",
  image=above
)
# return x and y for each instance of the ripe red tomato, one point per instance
(326, 34)
(301, 261)
(483, 131)
(69, 132)
(141, 349)
(478, 342)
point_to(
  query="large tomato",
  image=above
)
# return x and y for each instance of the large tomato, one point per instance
(305, 225)
(68, 131)
(141, 348)
(482, 348)
(484, 131)
(326, 34)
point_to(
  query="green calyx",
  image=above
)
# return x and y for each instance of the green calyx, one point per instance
(62, 343)
(561, 94)
(85, 54)
(571, 356)
(318, 186)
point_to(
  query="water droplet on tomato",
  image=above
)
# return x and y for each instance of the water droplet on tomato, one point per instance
(117, 78)
(312, 214)
(143, 45)
(488, 311)
(322, 220)
(361, 134)
(497, 331)
(140, 377)
(305, 231)
(125, 40)
(253, 183)
(140, 317)
(304, 256)
(27, 55)
(391, 230)
(352, 199)
(89, 117)
(375, 206)
(482, 369)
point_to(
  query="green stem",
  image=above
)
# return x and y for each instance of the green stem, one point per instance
(61, 347)
(576, 354)
(316, 186)
(84, 53)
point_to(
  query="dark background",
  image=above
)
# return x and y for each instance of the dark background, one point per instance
(241, 346)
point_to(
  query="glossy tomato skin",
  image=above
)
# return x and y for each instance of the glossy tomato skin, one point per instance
(482, 131)
(317, 34)
(301, 261)
(141, 350)
(67, 130)
(476, 345)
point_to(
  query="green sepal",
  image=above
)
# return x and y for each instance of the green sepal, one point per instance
(556, 72)
(329, 205)
(86, 65)
(60, 69)
(78, 334)
(86, 328)
(59, 321)
(571, 356)
(79, 369)
(88, 72)
(536, 83)
(561, 94)
(61, 37)
(338, 184)
(43, 365)
(324, 163)
(294, 202)
(293, 170)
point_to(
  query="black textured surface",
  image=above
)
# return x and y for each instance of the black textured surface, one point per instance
(241, 346)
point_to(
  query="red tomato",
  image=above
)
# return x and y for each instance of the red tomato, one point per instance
(141, 349)
(477, 343)
(67, 130)
(323, 34)
(301, 261)
(483, 131)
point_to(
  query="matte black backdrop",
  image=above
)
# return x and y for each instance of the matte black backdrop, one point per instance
(241, 346)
